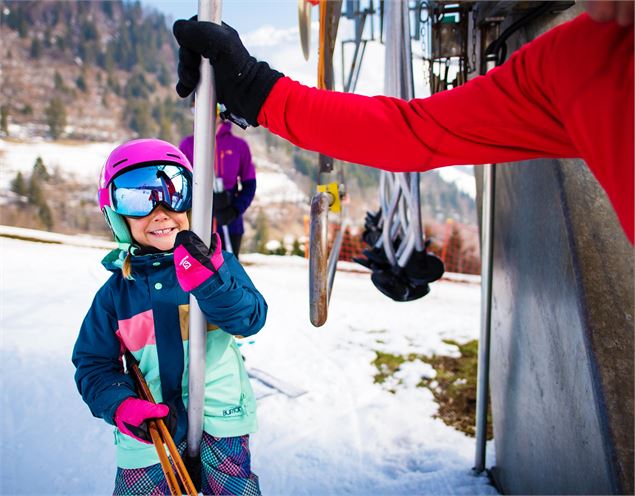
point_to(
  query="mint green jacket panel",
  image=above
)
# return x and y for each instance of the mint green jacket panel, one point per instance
(229, 401)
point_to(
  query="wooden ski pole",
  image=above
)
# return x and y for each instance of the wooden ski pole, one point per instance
(162, 432)
(173, 483)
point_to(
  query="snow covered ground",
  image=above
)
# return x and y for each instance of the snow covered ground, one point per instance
(346, 435)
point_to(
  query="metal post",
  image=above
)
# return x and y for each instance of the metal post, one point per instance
(204, 145)
(318, 249)
(482, 378)
(334, 255)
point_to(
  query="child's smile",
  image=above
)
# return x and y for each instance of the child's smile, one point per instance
(159, 228)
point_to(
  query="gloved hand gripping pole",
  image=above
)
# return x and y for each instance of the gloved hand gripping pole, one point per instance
(161, 436)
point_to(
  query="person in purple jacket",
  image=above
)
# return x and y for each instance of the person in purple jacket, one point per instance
(234, 165)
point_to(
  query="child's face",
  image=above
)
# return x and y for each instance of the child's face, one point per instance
(159, 228)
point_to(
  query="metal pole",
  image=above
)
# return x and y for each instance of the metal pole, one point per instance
(482, 378)
(204, 145)
(318, 248)
(333, 257)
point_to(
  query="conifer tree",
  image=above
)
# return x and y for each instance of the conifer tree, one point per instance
(18, 185)
(36, 49)
(262, 231)
(47, 37)
(35, 192)
(56, 117)
(141, 118)
(297, 249)
(4, 119)
(81, 82)
(165, 129)
(454, 250)
(23, 28)
(39, 170)
(45, 215)
(59, 82)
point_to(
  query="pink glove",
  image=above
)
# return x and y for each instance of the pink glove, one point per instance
(194, 262)
(132, 414)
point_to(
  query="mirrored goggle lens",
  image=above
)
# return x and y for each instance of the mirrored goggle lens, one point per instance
(137, 192)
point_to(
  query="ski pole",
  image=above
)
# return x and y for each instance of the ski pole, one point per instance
(202, 205)
(162, 433)
(173, 483)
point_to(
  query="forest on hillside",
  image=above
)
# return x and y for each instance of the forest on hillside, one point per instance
(104, 71)
(93, 70)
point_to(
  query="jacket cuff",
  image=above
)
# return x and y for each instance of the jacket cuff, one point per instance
(109, 414)
(217, 281)
(272, 99)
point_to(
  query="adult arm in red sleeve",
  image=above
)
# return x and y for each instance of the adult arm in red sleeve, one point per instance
(500, 117)
(569, 93)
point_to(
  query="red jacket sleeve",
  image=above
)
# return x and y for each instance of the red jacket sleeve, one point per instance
(568, 93)
(500, 117)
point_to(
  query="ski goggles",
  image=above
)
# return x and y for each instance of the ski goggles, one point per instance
(137, 192)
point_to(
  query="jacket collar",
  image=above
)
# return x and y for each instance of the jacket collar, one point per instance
(113, 261)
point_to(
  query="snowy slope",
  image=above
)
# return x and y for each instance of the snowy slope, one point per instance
(83, 161)
(346, 435)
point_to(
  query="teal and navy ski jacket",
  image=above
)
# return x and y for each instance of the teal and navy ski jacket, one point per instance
(148, 315)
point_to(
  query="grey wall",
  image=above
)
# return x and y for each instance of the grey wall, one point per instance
(562, 331)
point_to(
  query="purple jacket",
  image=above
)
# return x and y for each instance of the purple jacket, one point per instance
(233, 162)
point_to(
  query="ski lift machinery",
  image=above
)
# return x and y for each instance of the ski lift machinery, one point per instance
(322, 265)
(401, 266)
(331, 187)
(395, 232)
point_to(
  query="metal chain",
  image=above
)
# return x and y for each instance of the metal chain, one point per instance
(424, 32)
(473, 66)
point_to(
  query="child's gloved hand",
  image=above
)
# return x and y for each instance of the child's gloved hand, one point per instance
(132, 414)
(195, 263)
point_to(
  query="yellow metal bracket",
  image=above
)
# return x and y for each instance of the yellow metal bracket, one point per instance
(333, 190)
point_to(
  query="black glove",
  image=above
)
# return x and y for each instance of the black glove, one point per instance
(226, 215)
(222, 200)
(242, 83)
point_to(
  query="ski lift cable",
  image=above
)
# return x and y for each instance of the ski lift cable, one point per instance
(399, 203)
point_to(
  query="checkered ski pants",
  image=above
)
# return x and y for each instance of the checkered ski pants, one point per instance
(225, 469)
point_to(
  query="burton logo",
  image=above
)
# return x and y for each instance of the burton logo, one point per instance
(232, 411)
(185, 262)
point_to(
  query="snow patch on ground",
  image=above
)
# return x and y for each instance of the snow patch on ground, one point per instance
(346, 435)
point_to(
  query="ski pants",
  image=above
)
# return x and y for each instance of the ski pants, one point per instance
(225, 469)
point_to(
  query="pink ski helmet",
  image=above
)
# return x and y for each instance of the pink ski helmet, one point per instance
(130, 155)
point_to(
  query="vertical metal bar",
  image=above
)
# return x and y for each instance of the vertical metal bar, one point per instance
(318, 279)
(482, 378)
(415, 211)
(334, 256)
(204, 145)
(487, 253)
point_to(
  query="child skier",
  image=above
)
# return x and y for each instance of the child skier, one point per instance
(145, 192)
